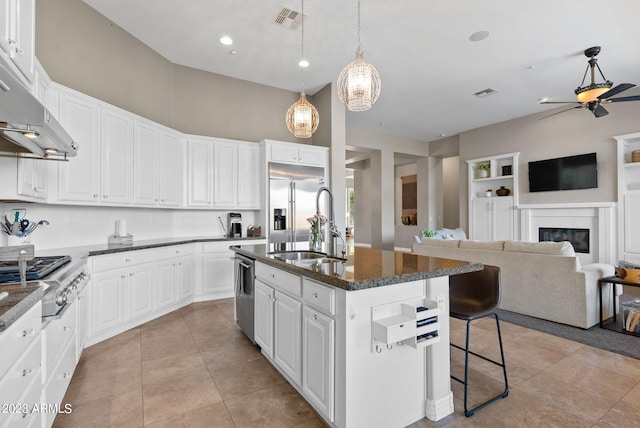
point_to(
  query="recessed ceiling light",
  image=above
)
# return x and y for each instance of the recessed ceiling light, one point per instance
(443, 135)
(233, 52)
(531, 67)
(303, 63)
(479, 36)
(380, 123)
(226, 40)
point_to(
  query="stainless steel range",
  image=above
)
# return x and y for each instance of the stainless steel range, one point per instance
(59, 292)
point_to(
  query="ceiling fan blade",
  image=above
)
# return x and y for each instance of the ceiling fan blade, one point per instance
(560, 102)
(631, 98)
(600, 111)
(558, 112)
(614, 91)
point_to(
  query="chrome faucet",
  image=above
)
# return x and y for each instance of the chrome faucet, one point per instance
(330, 231)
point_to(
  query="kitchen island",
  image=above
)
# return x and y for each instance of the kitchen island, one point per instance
(365, 340)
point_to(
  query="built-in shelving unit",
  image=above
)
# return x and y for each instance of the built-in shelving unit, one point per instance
(628, 198)
(493, 217)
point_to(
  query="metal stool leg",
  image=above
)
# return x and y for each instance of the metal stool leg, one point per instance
(465, 382)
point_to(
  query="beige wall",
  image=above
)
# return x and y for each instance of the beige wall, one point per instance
(570, 133)
(83, 50)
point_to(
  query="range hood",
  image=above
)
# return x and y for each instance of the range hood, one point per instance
(27, 128)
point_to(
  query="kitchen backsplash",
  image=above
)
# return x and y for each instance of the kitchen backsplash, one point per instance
(72, 226)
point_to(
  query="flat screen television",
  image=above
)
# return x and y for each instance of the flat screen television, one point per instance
(568, 173)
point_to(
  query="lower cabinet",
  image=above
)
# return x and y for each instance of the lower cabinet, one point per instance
(493, 219)
(264, 302)
(287, 336)
(217, 270)
(139, 291)
(174, 275)
(107, 302)
(318, 360)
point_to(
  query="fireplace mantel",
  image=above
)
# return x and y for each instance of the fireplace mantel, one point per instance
(598, 217)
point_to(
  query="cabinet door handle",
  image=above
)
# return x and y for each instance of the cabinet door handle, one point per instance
(95, 195)
(315, 295)
(127, 260)
(123, 276)
(26, 372)
(315, 318)
(132, 274)
(29, 332)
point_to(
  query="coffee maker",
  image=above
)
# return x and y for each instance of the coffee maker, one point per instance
(234, 225)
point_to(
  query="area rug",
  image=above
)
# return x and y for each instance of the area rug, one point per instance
(597, 337)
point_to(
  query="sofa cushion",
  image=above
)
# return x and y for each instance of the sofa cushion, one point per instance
(450, 243)
(482, 245)
(563, 248)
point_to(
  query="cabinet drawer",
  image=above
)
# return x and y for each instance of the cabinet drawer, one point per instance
(21, 374)
(29, 415)
(319, 296)
(281, 280)
(59, 380)
(121, 260)
(57, 335)
(17, 338)
(174, 251)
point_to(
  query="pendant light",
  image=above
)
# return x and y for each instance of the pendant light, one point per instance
(359, 82)
(302, 117)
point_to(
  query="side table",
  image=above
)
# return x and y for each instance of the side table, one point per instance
(612, 323)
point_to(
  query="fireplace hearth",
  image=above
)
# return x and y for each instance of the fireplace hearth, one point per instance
(579, 238)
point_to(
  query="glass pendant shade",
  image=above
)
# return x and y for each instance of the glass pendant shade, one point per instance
(359, 84)
(302, 118)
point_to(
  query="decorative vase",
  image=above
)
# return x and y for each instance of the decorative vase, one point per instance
(503, 191)
(483, 173)
(315, 243)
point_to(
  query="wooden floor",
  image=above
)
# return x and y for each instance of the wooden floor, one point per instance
(194, 368)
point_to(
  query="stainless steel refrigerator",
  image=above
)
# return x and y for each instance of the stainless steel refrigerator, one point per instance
(292, 200)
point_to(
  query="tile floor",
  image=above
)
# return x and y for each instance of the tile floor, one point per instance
(194, 368)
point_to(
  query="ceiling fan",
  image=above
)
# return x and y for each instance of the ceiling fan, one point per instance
(594, 95)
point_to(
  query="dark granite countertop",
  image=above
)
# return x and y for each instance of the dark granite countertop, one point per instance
(19, 301)
(365, 267)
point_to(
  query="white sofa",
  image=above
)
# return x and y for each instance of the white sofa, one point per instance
(539, 279)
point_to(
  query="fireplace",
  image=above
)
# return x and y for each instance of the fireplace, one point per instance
(579, 238)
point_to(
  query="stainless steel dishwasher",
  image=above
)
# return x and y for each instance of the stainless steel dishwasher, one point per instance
(244, 287)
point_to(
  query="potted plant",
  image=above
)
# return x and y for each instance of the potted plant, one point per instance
(488, 193)
(429, 233)
(483, 170)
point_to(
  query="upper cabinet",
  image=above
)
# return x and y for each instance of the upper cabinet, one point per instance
(157, 165)
(223, 174)
(17, 30)
(493, 197)
(303, 154)
(79, 179)
(116, 148)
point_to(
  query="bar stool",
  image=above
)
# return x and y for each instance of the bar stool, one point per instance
(472, 296)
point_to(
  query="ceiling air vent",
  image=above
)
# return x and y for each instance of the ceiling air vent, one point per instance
(288, 18)
(486, 93)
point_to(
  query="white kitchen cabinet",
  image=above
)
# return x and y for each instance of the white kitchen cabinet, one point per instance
(302, 154)
(174, 275)
(217, 270)
(17, 31)
(200, 172)
(33, 175)
(107, 300)
(287, 348)
(82, 320)
(16, 387)
(146, 149)
(170, 169)
(318, 360)
(492, 219)
(79, 179)
(225, 181)
(116, 144)
(249, 173)
(139, 291)
(264, 313)
(157, 161)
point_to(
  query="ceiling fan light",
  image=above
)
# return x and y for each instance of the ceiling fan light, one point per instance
(359, 84)
(592, 92)
(302, 118)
